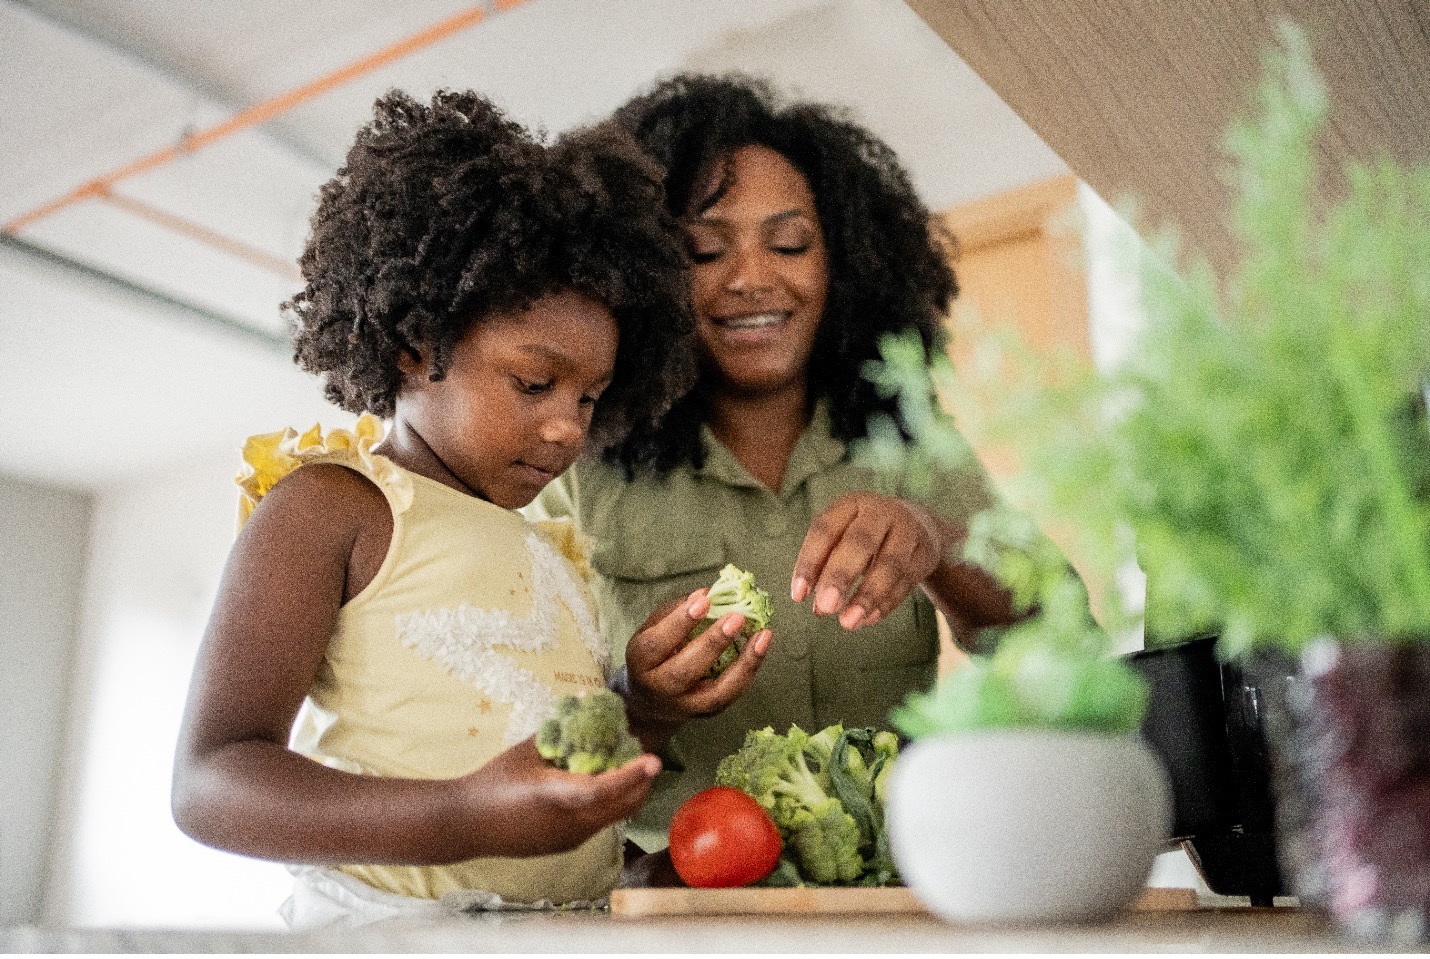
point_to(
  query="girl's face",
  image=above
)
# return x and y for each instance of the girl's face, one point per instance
(515, 406)
(760, 275)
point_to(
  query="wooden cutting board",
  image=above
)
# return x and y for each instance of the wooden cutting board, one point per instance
(816, 901)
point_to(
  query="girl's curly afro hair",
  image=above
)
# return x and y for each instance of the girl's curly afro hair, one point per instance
(447, 213)
(888, 259)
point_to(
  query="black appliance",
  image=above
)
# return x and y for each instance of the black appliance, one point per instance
(1205, 720)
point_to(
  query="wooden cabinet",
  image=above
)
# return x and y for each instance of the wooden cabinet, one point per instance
(1022, 262)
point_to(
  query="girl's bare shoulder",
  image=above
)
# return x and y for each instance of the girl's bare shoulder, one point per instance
(324, 508)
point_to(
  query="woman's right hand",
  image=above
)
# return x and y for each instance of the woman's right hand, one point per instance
(524, 806)
(667, 670)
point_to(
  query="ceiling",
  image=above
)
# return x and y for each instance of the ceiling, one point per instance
(143, 329)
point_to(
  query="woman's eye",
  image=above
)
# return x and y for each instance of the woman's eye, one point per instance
(529, 386)
(703, 247)
(791, 249)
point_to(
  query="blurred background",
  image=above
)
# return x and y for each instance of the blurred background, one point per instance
(159, 161)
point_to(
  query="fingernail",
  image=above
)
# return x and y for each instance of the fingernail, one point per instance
(799, 589)
(732, 626)
(762, 642)
(851, 617)
(827, 601)
(652, 765)
(873, 617)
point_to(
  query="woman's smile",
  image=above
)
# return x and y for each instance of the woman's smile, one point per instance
(752, 329)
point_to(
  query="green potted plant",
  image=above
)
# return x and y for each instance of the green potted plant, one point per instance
(1265, 453)
(1025, 796)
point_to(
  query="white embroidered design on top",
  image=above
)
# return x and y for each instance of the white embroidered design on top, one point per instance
(568, 586)
(467, 640)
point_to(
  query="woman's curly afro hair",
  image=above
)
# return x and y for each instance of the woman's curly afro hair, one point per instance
(447, 213)
(888, 259)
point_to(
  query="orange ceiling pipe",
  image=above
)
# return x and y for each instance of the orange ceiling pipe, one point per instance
(103, 185)
(202, 234)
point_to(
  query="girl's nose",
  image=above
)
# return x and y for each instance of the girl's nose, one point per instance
(567, 428)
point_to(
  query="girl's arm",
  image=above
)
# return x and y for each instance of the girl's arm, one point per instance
(313, 542)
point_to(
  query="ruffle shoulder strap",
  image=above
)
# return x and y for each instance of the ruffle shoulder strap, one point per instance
(269, 457)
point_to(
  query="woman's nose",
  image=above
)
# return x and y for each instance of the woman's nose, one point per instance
(749, 272)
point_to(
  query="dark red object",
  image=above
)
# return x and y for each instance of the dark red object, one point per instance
(1352, 738)
(721, 838)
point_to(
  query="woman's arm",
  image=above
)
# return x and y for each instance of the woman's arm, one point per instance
(888, 546)
(238, 787)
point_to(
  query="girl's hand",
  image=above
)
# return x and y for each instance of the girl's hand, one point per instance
(666, 669)
(887, 546)
(524, 806)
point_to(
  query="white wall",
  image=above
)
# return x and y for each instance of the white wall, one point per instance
(43, 534)
(157, 551)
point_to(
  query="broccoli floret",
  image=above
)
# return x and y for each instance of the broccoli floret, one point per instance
(734, 591)
(588, 734)
(827, 845)
(772, 769)
(819, 750)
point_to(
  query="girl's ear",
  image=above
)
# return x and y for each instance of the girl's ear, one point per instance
(410, 363)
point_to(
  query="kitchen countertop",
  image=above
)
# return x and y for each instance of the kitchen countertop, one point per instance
(1219, 930)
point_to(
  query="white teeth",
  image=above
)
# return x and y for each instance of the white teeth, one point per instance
(753, 322)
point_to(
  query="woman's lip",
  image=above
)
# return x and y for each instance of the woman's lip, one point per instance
(732, 321)
(750, 335)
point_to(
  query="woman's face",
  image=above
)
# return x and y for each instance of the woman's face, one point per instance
(760, 275)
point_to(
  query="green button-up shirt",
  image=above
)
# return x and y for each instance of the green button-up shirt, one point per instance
(658, 539)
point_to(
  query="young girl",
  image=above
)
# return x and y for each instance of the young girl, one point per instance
(389, 633)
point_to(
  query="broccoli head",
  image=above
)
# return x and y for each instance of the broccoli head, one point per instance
(772, 769)
(588, 734)
(827, 845)
(734, 591)
(823, 793)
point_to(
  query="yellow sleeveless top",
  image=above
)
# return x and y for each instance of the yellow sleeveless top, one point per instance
(475, 623)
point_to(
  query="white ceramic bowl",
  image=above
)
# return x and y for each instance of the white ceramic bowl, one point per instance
(1025, 826)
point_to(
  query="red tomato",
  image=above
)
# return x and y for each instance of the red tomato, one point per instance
(722, 838)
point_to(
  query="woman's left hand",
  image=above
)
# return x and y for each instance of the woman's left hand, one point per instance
(880, 547)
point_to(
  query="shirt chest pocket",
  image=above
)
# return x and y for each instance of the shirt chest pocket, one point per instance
(652, 552)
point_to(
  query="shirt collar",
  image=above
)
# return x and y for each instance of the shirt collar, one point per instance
(816, 450)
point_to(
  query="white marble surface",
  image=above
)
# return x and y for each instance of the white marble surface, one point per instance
(1204, 931)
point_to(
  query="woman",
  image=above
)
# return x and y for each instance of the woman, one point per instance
(807, 244)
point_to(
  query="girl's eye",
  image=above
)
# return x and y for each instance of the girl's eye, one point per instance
(527, 386)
